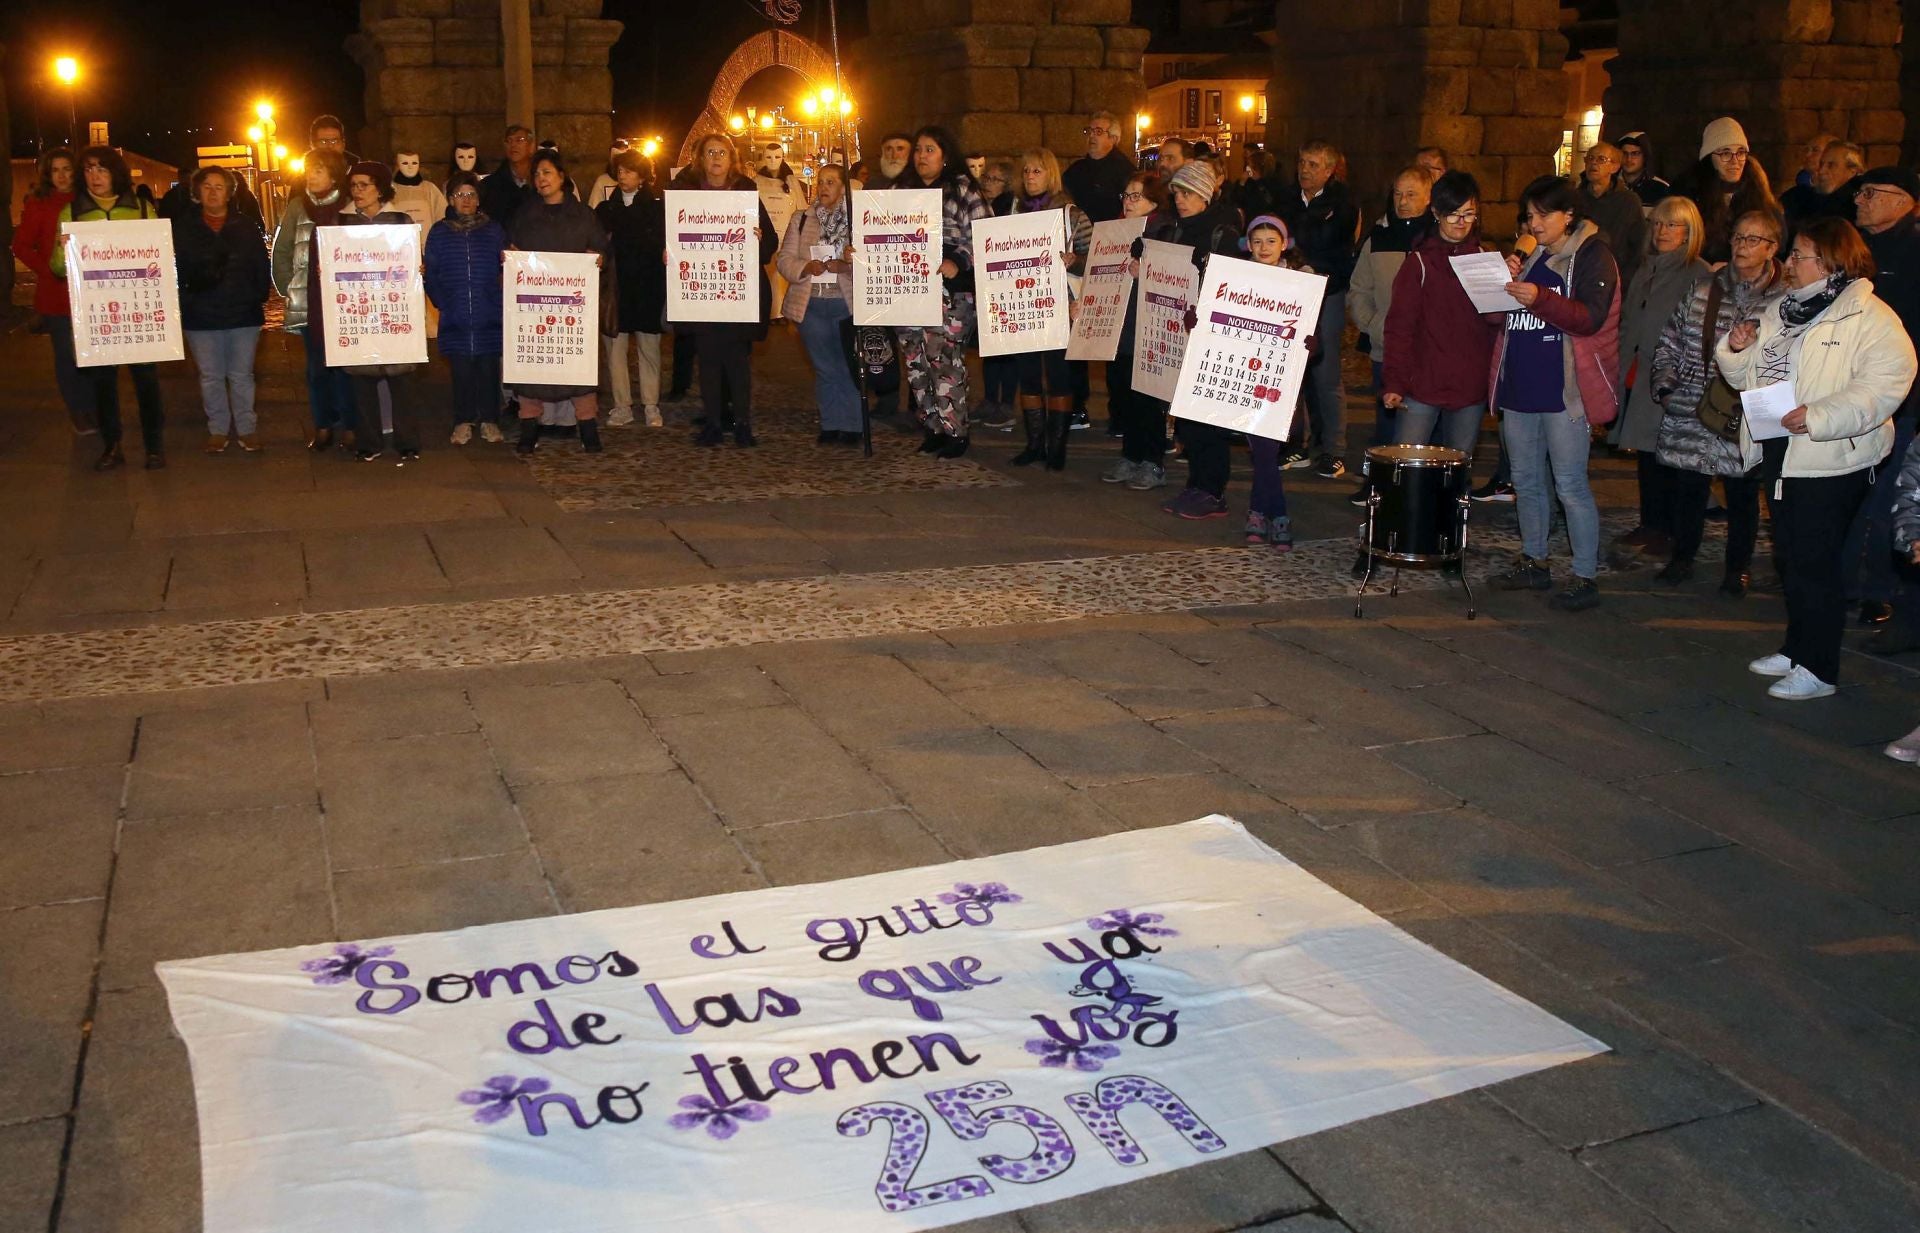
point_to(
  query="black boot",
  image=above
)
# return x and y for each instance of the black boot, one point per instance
(1059, 425)
(1035, 416)
(954, 447)
(932, 443)
(529, 435)
(590, 436)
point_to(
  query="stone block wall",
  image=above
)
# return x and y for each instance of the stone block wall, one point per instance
(434, 76)
(1381, 78)
(1786, 69)
(1004, 75)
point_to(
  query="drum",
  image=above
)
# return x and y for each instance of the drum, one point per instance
(1418, 511)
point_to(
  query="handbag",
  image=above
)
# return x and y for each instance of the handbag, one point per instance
(1720, 410)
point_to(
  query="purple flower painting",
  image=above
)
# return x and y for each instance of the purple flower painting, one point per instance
(497, 1098)
(1059, 1053)
(1143, 924)
(988, 893)
(721, 1121)
(339, 967)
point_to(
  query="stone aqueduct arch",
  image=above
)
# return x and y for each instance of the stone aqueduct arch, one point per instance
(768, 49)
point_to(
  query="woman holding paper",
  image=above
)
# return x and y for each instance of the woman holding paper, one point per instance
(1840, 356)
(635, 219)
(819, 272)
(556, 222)
(296, 272)
(724, 349)
(34, 243)
(1553, 373)
(370, 185)
(936, 355)
(1142, 417)
(1207, 223)
(1046, 382)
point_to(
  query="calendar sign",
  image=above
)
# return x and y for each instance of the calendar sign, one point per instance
(126, 292)
(375, 309)
(1168, 283)
(1104, 289)
(1248, 354)
(896, 257)
(551, 308)
(713, 261)
(1022, 282)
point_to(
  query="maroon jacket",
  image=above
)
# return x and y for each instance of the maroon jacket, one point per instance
(1438, 345)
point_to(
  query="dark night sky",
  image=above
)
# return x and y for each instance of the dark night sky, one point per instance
(156, 69)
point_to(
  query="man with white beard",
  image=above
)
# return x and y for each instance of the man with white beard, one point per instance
(895, 150)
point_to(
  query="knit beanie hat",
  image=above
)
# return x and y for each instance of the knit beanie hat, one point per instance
(1902, 178)
(1724, 133)
(1197, 178)
(1273, 221)
(379, 173)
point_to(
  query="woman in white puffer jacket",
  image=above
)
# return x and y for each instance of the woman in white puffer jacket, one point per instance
(1851, 365)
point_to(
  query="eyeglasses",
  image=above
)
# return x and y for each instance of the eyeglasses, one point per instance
(1601, 160)
(1793, 258)
(1756, 239)
(1668, 224)
(1463, 217)
(466, 194)
(1869, 191)
(1133, 196)
(1731, 152)
(1097, 132)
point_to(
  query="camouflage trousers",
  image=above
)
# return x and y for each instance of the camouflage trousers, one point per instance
(936, 357)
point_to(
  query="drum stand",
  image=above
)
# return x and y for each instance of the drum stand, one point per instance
(1366, 546)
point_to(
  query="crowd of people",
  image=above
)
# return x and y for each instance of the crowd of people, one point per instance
(1643, 310)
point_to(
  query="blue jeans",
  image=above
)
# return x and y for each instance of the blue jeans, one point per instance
(1386, 419)
(821, 330)
(1326, 397)
(329, 390)
(1460, 426)
(1269, 495)
(1553, 445)
(225, 361)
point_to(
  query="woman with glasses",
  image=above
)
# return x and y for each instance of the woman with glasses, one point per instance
(1696, 403)
(463, 257)
(1726, 183)
(1850, 365)
(1667, 275)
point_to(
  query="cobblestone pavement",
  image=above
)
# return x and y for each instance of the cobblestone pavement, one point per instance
(249, 702)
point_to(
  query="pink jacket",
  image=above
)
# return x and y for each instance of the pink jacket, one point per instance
(1589, 316)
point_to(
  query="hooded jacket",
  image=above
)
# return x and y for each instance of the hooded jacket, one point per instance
(1436, 344)
(463, 281)
(1370, 291)
(1589, 316)
(1649, 188)
(1853, 370)
(1663, 281)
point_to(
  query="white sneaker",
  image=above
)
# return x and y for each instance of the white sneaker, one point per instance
(1800, 685)
(1775, 664)
(619, 417)
(490, 433)
(1120, 472)
(653, 417)
(462, 433)
(1907, 748)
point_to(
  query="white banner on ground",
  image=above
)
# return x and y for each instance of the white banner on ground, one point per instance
(896, 257)
(375, 305)
(1105, 286)
(125, 291)
(1021, 282)
(551, 309)
(1168, 282)
(833, 1058)
(713, 260)
(1248, 354)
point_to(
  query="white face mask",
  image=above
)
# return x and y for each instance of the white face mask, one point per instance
(465, 159)
(409, 164)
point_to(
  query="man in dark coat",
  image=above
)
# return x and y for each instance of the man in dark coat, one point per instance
(1319, 210)
(1830, 195)
(1096, 181)
(1885, 202)
(511, 185)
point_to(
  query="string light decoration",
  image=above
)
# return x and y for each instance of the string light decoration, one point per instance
(786, 12)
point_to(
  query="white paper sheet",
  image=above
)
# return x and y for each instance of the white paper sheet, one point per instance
(551, 310)
(1165, 290)
(125, 292)
(713, 259)
(1106, 284)
(1129, 1005)
(896, 257)
(1021, 283)
(1485, 277)
(375, 309)
(823, 253)
(1765, 407)
(1244, 365)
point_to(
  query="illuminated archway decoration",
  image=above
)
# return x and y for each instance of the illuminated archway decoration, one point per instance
(768, 49)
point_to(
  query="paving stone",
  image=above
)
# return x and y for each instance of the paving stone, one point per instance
(399, 899)
(1079, 735)
(1598, 745)
(38, 743)
(827, 849)
(29, 1171)
(1209, 1195)
(60, 827)
(416, 801)
(215, 760)
(1857, 779)
(371, 563)
(704, 693)
(1813, 1051)
(46, 967)
(1148, 678)
(979, 665)
(134, 580)
(874, 700)
(1305, 1223)
(982, 796)
(481, 554)
(1757, 1171)
(612, 843)
(387, 708)
(754, 539)
(1378, 651)
(261, 572)
(258, 880)
(1528, 789)
(1329, 781)
(570, 731)
(1460, 1165)
(136, 1148)
(773, 764)
(1346, 704)
(1599, 684)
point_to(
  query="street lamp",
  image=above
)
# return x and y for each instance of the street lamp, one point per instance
(67, 69)
(736, 123)
(650, 147)
(766, 119)
(1246, 125)
(1140, 122)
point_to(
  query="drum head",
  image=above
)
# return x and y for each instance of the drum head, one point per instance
(1416, 455)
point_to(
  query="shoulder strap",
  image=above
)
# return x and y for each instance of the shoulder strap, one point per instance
(1710, 324)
